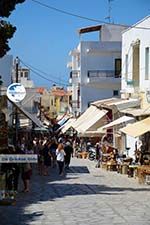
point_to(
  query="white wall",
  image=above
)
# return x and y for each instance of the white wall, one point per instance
(98, 56)
(26, 83)
(6, 65)
(129, 37)
(91, 94)
(110, 32)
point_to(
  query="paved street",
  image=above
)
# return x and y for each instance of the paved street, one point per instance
(86, 195)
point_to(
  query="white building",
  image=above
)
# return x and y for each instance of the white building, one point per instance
(96, 67)
(136, 73)
(6, 65)
(23, 77)
(136, 58)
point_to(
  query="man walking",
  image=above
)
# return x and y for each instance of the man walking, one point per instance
(68, 153)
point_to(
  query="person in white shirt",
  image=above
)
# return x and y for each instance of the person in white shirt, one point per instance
(60, 153)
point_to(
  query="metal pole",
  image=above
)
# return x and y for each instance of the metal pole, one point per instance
(17, 64)
(40, 107)
(16, 111)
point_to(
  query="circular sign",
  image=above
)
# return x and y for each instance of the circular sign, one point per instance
(16, 92)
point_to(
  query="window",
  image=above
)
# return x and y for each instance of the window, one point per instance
(25, 74)
(126, 66)
(78, 98)
(117, 68)
(115, 92)
(21, 74)
(147, 64)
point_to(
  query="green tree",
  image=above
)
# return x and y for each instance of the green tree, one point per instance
(7, 30)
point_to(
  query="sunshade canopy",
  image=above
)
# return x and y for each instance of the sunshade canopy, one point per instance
(137, 129)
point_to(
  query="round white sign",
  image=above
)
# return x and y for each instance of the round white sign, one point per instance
(16, 92)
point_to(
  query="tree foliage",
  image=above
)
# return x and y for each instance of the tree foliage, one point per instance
(7, 30)
(7, 6)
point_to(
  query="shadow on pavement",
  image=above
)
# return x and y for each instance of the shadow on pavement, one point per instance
(49, 189)
(78, 169)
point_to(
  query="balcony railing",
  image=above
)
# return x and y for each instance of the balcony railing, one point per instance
(102, 73)
(74, 73)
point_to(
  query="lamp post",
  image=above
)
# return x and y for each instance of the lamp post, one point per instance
(1, 83)
(16, 111)
(16, 69)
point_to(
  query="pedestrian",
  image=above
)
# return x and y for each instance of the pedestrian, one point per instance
(47, 157)
(60, 153)
(68, 153)
(40, 158)
(99, 154)
(53, 148)
(27, 170)
(26, 176)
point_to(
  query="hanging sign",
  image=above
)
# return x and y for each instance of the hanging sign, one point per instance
(16, 92)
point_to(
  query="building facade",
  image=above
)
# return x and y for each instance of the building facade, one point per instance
(96, 67)
(136, 59)
(136, 73)
(59, 101)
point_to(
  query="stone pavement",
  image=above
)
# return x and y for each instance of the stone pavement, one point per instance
(85, 195)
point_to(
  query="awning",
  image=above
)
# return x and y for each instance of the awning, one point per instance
(90, 29)
(117, 104)
(137, 129)
(67, 125)
(33, 118)
(137, 112)
(91, 134)
(92, 121)
(83, 117)
(123, 119)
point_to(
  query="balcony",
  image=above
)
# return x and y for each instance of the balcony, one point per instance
(74, 76)
(103, 73)
(104, 78)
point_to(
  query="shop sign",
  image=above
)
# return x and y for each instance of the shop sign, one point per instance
(16, 92)
(18, 158)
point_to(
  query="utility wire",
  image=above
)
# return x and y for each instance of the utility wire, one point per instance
(34, 68)
(40, 75)
(66, 12)
(83, 17)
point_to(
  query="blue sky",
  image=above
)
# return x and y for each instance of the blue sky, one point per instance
(44, 37)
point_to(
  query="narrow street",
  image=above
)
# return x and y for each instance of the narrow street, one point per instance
(86, 195)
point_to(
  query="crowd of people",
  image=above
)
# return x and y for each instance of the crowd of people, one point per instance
(51, 153)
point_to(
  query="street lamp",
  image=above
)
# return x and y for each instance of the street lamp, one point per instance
(16, 68)
(16, 111)
(1, 82)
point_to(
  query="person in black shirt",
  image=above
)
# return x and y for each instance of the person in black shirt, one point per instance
(68, 153)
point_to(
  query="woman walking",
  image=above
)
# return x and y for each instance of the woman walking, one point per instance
(47, 157)
(60, 153)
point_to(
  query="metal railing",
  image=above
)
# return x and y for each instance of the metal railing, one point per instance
(102, 73)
